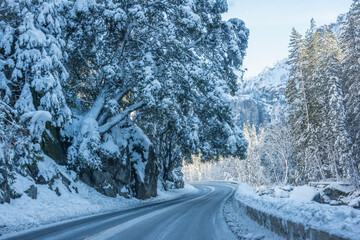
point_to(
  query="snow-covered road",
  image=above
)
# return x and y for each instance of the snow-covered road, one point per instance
(194, 216)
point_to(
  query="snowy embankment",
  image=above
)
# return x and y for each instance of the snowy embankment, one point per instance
(296, 218)
(24, 212)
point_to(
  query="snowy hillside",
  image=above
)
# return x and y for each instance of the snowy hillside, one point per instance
(65, 198)
(271, 79)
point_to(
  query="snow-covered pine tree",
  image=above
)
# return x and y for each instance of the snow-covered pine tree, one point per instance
(315, 152)
(351, 79)
(298, 113)
(337, 141)
(316, 113)
(38, 59)
(174, 74)
(148, 83)
(32, 65)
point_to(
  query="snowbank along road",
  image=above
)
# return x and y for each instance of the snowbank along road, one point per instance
(193, 216)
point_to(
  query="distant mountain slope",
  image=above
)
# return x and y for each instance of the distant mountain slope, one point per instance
(261, 99)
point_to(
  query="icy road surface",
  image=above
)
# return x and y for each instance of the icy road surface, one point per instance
(194, 216)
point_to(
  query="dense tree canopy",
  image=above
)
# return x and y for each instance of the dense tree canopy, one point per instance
(103, 76)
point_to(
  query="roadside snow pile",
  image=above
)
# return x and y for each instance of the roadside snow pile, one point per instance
(40, 204)
(245, 190)
(339, 220)
(303, 193)
(281, 192)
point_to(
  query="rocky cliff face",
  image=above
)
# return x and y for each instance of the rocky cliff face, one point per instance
(129, 166)
(117, 179)
(261, 99)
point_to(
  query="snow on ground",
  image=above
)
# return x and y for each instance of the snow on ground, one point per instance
(340, 220)
(24, 213)
(281, 193)
(244, 227)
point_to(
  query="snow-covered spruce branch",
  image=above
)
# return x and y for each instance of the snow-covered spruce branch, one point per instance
(8, 108)
(118, 118)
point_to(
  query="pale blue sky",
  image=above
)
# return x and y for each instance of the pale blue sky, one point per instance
(270, 23)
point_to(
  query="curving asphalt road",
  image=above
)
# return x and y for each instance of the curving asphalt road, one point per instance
(193, 216)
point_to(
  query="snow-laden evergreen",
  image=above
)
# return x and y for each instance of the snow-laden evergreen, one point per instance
(164, 70)
(350, 40)
(322, 101)
(120, 91)
(337, 139)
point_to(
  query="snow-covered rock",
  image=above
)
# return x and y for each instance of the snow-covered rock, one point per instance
(334, 191)
(303, 193)
(355, 202)
(245, 190)
(281, 193)
(32, 192)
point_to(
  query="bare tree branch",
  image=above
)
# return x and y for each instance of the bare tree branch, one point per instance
(98, 105)
(119, 94)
